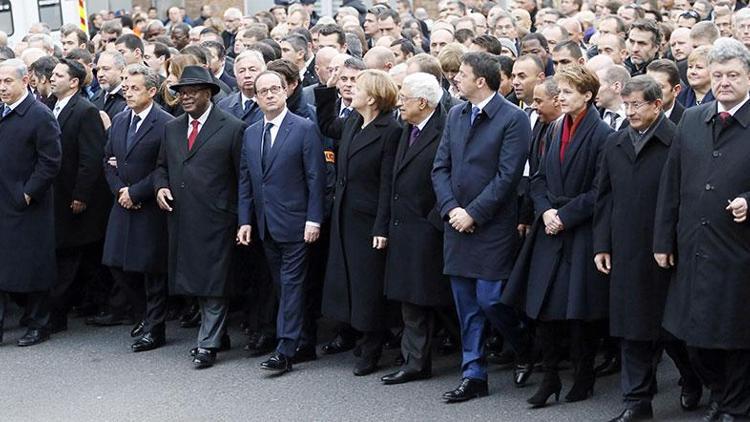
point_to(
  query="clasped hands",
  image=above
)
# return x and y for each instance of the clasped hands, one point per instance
(461, 221)
(552, 222)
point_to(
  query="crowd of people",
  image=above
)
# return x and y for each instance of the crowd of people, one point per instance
(524, 182)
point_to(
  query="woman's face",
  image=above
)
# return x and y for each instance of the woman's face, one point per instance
(360, 97)
(697, 74)
(572, 102)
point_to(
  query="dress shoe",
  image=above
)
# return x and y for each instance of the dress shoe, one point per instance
(264, 345)
(148, 341)
(611, 365)
(470, 388)
(32, 337)
(277, 363)
(583, 385)
(725, 417)
(137, 329)
(106, 319)
(521, 373)
(191, 318)
(392, 341)
(712, 412)
(304, 354)
(503, 358)
(339, 344)
(690, 398)
(365, 366)
(401, 376)
(550, 386)
(447, 346)
(639, 412)
(204, 358)
(226, 344)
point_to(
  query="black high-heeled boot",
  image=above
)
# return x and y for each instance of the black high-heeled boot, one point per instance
(583, 387)
(550, 385)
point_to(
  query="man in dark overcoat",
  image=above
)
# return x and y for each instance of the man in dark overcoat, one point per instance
(196, 182)
(135, 247)
(627, 187)
(476, 172)
(701, 228)
(29, 161)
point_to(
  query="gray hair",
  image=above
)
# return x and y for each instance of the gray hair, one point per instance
(18, 65)
(550, 87)
(117, 58)
(726, 49)
(47, 42)
(251, 54)
(616, 73)
(740, 15)
(397, 70)
(150, 78)
(298, 43)
(354, 44)
(424, 85)
(646, 84)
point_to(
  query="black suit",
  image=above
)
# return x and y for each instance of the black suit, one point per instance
(310, 77)
(112, 104)
(677, 112)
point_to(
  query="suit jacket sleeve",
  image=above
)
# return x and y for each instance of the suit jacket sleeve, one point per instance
(245, 204)
(91, 154)
(49, 155)
(511, 161)
(237, 156)
(668, 202)
(331, 125)
(441, 174)
(161, 174)
(603, 207)
(110, 172)
(315, 174)
(383, 214)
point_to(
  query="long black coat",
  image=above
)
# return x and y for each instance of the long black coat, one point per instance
(414, 266)
(708, 299)
(110, 104)
(353, 290)
(555, 276)
(136, 239)
(81, 176)
(30, 157)
(627, 187)
(203, 223)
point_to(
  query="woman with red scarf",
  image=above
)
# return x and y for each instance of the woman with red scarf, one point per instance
(555, 279)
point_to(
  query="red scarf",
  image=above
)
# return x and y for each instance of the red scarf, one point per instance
(568, 130)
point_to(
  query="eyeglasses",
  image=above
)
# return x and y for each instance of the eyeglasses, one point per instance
(273, 90)
(635, 105)
(690, 14)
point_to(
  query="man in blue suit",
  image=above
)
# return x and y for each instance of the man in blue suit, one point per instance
(135, 247)
(477, 168)
(243, 105)
(282, 182)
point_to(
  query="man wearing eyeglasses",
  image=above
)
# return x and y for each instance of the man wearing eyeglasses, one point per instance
(282, 184)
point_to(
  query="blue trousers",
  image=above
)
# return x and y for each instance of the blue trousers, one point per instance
(477, 302)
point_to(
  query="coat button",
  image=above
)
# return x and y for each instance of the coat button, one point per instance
(704, 222)
(716, 154)
(182, 185)
(396, 222)
(395, 197)
(708, 186)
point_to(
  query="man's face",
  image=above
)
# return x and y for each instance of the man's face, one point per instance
(608, 26)
(287, 52)
(525, 77)
(60, 82)
(137, 96)
(295, 21)
(562, 58)
(568, 7)
(641, 114)
(553, 35)
(608, 95)
(280, 14)
(180, 38)
(504, 28)
(454, 9)
(214, 61)
(546, 106)
(396, 49)
(270, 94)
(730, 82)
(69, 43)
(152, 61)
(388, 27)
(346, 83)
(195, 99)
(410, 107)
(246, 70)
(11, 86)
(153, 32)
(439, 39)
(684, 21)
(641, 47)
(331, 40)
(627, 15)
(668, 91)
(466, 81)
(600, 8)
(609, 45)
(724, 23)
(108, 75)
(131, 56)
(742, 31)
(371, 26)
(506, 84)
(680, 44)
(533, 46)
(107, 38)
(231, 23)
(174, 15)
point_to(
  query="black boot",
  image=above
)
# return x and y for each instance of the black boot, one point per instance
(550, 385)
(583, 386)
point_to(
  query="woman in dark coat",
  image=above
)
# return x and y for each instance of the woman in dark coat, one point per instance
(698, 90)
(555, 275)
(353, 291)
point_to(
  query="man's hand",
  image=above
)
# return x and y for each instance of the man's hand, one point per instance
(603, 262)
(312, 233)
(244, 234)
(163, 196)
(77, 206)
(664, 260)
(379, 242)
(124, 199)
(523, 230)
(552, 222)
(334, 79)
(738, 208)
(27, 198)
(105, 120)
(460, 220)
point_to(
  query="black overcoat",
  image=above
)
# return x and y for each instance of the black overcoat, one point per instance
(555, 277)
(353, 290)
(29, 161)
(203, 223)
(627, 187)
(136, 239)
(414, 265)
(708, 299)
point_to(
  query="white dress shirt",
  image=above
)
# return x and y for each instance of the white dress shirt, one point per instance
(202, 120)
(734, 109)
(61, 103)
(142, 115)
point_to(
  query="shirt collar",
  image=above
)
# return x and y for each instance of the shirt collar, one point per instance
(244, 98)
(202, 119)
(668, 113)
(424, 122)
(17, 103)
(619, 112)
(482, 104)
(734, 109)
(114, 91)
(142, 114)
(64, 101)
(277, 120)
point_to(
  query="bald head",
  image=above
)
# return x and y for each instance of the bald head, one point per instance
(380, 58)
(574, 29)
(599, 62)
(323, 61)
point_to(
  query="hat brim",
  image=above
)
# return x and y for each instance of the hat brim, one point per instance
(197, 82)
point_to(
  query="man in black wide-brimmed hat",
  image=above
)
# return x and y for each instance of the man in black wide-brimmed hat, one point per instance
(196, 183)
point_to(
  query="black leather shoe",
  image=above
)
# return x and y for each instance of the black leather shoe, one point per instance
(338, 345)
(304, 354)
(494, 344)
(470, 388)
(226, 344)
(611, 365)
(503, 358)
(365, 366)
(690, 398)
(725, 417)
(277, 363)
(204, 358)
(148, 341)
(639, 412)
(109, 320)
(137, 330)
(712, 412)
(191, 318)
(401, 376)
(521, 373)
(32, 337)
(264, 345)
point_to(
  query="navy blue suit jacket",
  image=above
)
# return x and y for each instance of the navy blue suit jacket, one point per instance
(232, 104)
(290, 191)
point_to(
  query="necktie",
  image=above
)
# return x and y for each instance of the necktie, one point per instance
(724, 117)
(248, 104)
(528, 110)
(414, 135)
(612, 119)
(266, 144)
(474, 114)
(6, 111)
(193, 134)
(131, 131)
(57, 110)
(345, 113)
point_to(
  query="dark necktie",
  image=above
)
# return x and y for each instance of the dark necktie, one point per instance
(6, 111)
(131, 131)
(414, 135)
(266, 144)
(345, 113)
(474, 114)
(612, 117)
(248, 104)
(725, 118)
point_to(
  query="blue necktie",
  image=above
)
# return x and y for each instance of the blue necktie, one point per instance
(345, 113)
(6, 111)
(131, 131)
(266, 144)
(248, 104)
(474, 114)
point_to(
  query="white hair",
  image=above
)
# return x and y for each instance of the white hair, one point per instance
(726, 49)
(424, 85)
(252, 54)
(196, 30)
(18, 65)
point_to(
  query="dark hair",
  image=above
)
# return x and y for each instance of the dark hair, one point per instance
(209, 30)
(463, 35)
(329, 29)
(667, 67)
(264, 49)
(648, 26)
(257, 31)
(571, 47)
(80, 54)
(285, 68)
(389, 13)
(622, 27)
(506, 65)
(489, 43)
(269, 72)
(298, 43)
(531, 36)
(161, 50)
(75, 70)
(484, 66)
(68, 29)
(355, 64)
(274, 46)
(303, 32)
(215, 46)
(131, 42)
(460, 4)
(534, 58)
(44, 66)
(183, 26)
(126, 21)
(198, 52)
(646, 84)
(406, 46)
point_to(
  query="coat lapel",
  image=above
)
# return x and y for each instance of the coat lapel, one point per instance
(213, 124)
(431, 133)
(281, 137)
(146, 126)
(586, 126)
(369, 136)
(67, 110)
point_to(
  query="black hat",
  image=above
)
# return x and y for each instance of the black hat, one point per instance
(307, 1)
(196, 76)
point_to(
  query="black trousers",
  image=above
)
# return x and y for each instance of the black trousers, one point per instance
(416, 340)
(69, 262)
(36, 309)
(151, 306)
(727, 374)
(213, 321)
(261, 306)
(318, 256)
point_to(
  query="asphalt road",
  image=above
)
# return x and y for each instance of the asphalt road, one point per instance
(89, 374)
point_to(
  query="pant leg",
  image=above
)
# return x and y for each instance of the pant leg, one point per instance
(37, 309)
(638, 376)
(584, 341)
(678, 352)
(371, 346)
(288, 262)
(471, 320)
(314, 287)
(503, 317)
(416, 340)
(267, 297)
(213, 321)
(68, 263)
(709, 365)
(156, 289)
(126, 297)
(736, 398)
